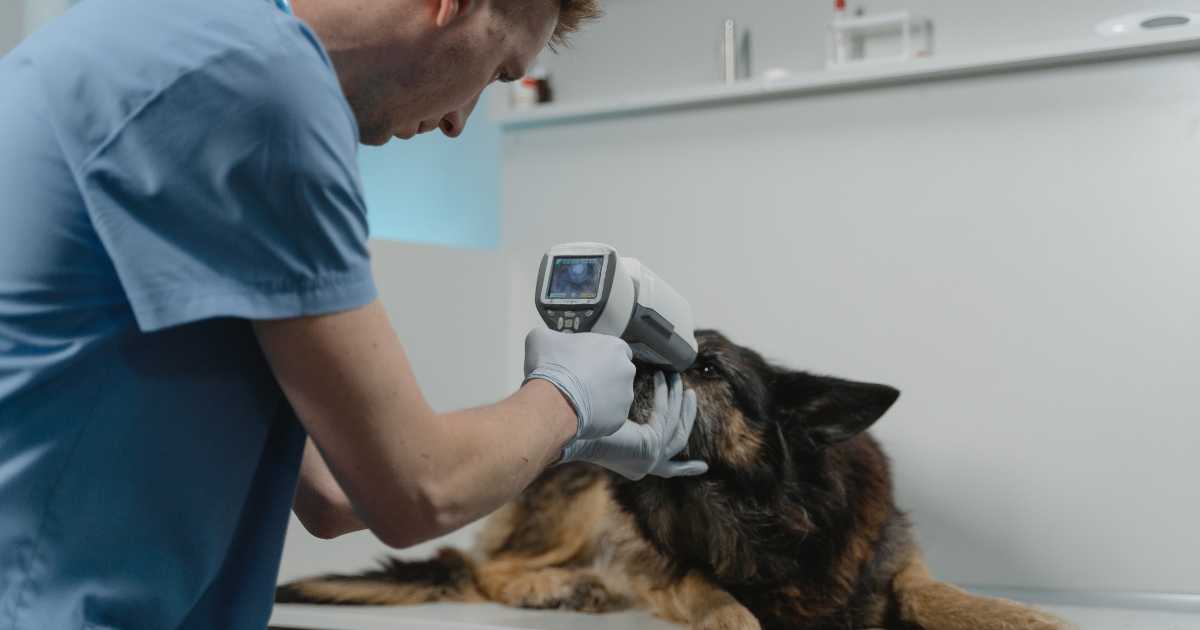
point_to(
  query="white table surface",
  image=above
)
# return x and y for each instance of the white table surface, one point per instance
(494, 617)
(454, 617)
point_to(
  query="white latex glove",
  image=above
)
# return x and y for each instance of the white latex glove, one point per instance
(636, 450)
(595, 372)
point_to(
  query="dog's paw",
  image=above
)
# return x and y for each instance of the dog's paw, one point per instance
(588, 594)
(557, 588)
(541, 589)
(734, 617)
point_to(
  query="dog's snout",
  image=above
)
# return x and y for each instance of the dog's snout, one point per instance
(643, 394)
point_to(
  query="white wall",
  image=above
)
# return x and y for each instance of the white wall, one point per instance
(1017, 253)
(654, 44)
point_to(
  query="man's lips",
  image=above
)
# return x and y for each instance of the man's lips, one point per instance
(423, 127)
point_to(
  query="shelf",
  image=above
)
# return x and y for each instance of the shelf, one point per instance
(866, 75)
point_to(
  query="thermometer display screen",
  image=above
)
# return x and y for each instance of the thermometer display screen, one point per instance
(575, 277)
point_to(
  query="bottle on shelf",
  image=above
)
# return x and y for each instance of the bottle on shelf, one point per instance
(532, 89)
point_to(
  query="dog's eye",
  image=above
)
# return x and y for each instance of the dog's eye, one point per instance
(707, 370)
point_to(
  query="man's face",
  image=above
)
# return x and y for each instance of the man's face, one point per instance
(430, 75)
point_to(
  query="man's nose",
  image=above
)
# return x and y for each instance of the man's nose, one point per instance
(452, 124)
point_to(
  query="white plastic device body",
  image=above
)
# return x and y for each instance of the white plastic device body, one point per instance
(589, 287)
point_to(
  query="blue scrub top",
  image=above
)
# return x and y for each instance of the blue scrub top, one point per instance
(169, 170)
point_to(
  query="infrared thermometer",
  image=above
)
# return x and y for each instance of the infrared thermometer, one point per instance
(589, 287)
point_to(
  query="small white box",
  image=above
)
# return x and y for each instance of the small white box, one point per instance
(894, 36)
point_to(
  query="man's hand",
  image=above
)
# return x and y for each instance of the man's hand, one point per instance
(636, 450)
(594, 372)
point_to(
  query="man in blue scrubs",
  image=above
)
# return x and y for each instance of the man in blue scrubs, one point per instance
(185, 294)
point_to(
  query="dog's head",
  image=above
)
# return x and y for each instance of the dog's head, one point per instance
(769, 435)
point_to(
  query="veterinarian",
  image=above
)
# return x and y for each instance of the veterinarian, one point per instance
(185, 294)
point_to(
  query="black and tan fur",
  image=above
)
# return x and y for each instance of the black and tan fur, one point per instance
(794, 525)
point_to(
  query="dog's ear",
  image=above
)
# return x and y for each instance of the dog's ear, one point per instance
(828, 410)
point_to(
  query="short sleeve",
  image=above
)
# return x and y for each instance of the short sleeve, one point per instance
(234, 191)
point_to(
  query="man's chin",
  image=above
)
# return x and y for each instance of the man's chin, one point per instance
(404, 135)
(373, 140)
(378, 138)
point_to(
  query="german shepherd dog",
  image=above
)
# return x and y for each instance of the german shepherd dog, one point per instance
(793, 526)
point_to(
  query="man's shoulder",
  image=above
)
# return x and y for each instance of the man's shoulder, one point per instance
(267, 58)
(121, 56)
(145, 37)
(135, 46)
(250, 34)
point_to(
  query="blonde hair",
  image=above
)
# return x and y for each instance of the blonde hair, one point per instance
(571, 15)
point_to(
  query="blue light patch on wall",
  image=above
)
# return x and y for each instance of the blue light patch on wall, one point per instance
(434, 189)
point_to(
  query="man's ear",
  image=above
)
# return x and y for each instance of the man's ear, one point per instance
(828, 410)
(448, 10)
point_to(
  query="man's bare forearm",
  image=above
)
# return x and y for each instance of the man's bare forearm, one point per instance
(321, 504)
(410, 473)
(453, 468)
(494, 466)
(490, 454)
